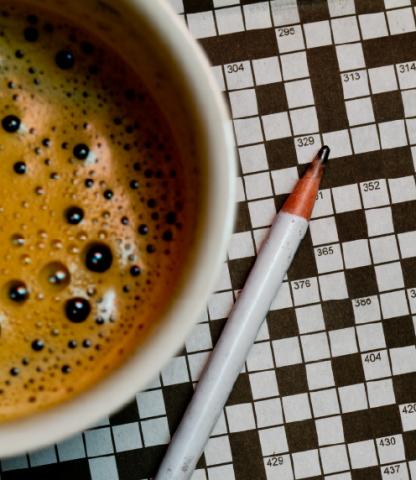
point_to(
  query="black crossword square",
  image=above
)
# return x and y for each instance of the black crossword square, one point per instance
(357, 426)
(282, 323)
(292, 380)
(399, 332)
(361, 282)
(405, 388)
(301, 435)
(338, 314)
(385, 421)
(348, 369)
(281, 153)
(193, 6)
(141, 463)
(369, 6)
(243, 222)
(215, 329)
(241, 392)
(312, 11)
(409, 272)
(129, 413)
(403, 218)
(388, 106)
(176, 398)
(239, 270)
(351, 225)
(409, 440)
(271, 98)
(247, 455)
(304, 263)
(370, 473)
(397, 162)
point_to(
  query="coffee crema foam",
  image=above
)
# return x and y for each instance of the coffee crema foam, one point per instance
(94, 222)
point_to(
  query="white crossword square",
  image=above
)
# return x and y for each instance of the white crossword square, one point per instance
(392, 134)
(305, 291)
(219, 76)
(287, 351)
(258, 185)
(411, 295)
(380, 393)
(362, 454)
(268, 412)
(407, 242)
(323, 230)
(218, 450)
(403, 359)
(379, 221)
(284, 13)
(257, 15)
(346, 198)
(310, 318)
(299, 93)
(260, 357)
(323, 204)
(401, 21)
(306, 147)
(222, 472)
(229, 20)
(394, 304)
(201, 24)
(175, 371)
(339, 8)
(402, 189)
(366, 309)
(342, 341)
(197, 362)
(241, 246)
(284, 180)
(411, 130)
(353, 398)
(374, 193)
(283, 298)
(340, 143)
(389, 276)
(371, 337)
(267, 70)
(319, 375)
(315, 346)
(304, 120)
(356, 253)
(373, 25)
(306, 463)
(324, 402)
(248, 130)
(335, 459)
(239, 194)
(290, 38)
(345, 30)
(365, 139)
(253, 158)
(294, 65)
(285, 470)
(407, 74)
(376, 364)
(390, 449)
(238, 75)
(355, 84)
(396, 3)
(384, 249)
(263, 384)
(382, 79)
(409, 102)
(243, 103)
(273, 440)
(408, 416)
(200, 338)
(317, 34)
(262, 212)
(296, 407)
(276, 125)
(240, 417)
(360, 111)
(333, 286)
(329, 430)
(350, 56)
(328, 258)
(220, 304)
(151, 403)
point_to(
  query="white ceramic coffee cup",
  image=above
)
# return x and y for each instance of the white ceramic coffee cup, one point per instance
(156, 42)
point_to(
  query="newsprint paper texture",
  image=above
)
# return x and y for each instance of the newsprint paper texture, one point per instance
(329, 388)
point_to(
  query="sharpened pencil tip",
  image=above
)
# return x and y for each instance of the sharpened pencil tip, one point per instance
(323, 153)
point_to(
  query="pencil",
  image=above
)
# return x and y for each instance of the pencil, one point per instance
(240, 330)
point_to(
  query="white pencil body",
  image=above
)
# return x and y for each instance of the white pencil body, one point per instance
(233, 346)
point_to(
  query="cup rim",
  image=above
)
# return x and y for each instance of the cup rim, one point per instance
(79, 413)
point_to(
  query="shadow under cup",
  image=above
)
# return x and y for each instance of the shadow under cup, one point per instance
(156, 45)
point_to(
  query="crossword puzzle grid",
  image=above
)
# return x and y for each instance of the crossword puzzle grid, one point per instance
(329, 388)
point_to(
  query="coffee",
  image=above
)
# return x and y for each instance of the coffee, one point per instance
(94, 217)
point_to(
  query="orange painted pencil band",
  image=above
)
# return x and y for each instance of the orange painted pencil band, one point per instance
(302, 199)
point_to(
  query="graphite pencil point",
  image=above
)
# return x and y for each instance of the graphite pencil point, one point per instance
(323, 153)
